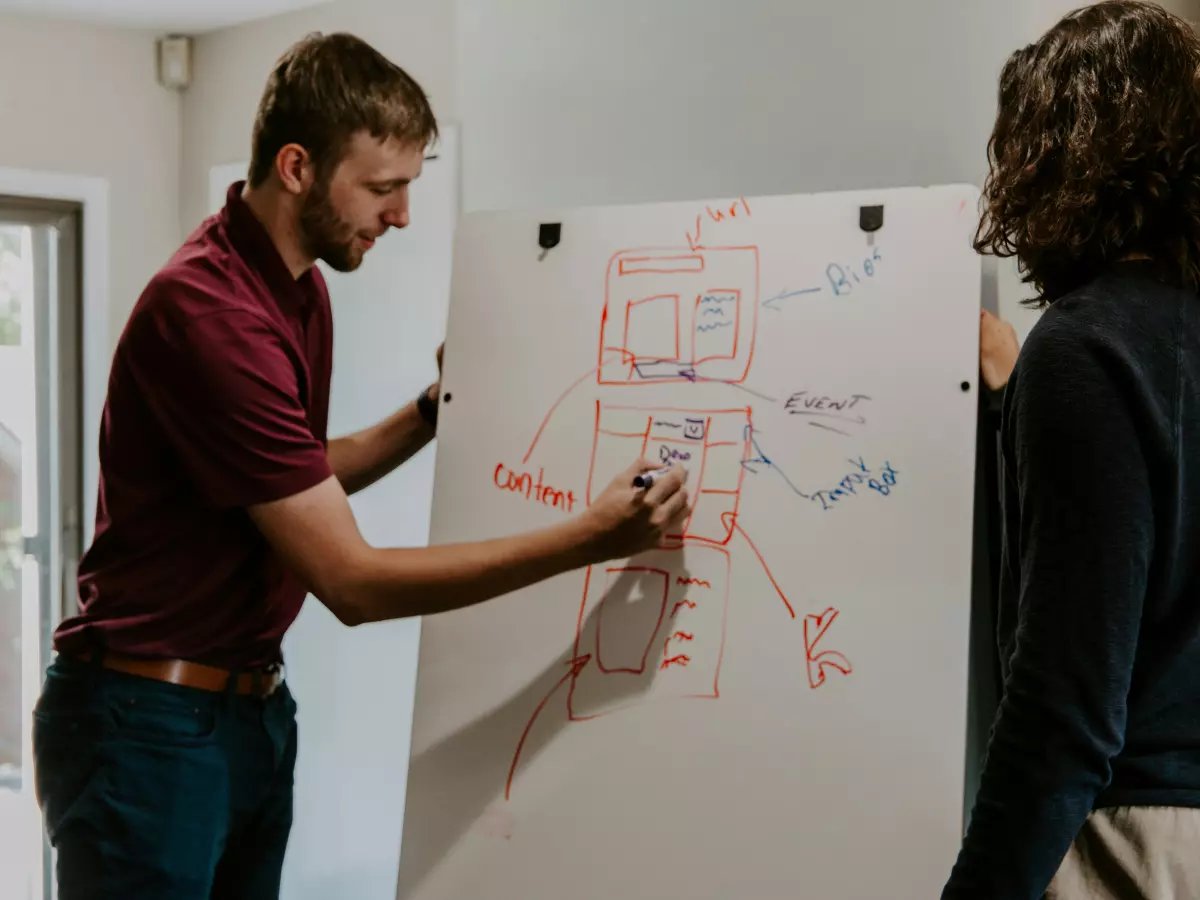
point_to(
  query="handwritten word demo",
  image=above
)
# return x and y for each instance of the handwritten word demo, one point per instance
(537, 491)
(881, 482)
(669, 454)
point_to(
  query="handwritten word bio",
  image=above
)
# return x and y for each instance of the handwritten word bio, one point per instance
(843, 279)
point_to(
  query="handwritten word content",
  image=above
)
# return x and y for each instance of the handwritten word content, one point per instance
(881, 482)
(522, 484)
(844, 278)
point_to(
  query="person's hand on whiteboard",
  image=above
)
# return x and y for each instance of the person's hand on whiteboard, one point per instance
(435, 389)
(626, 520)
(998, 350)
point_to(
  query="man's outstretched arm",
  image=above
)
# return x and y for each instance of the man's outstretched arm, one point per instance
(315, 533)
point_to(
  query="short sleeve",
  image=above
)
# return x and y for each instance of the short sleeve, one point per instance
(224, 387)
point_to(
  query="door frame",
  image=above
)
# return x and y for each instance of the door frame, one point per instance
(46, 198)
(58, 334)
(90, 193)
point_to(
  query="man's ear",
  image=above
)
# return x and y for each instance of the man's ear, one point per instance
(294, 167)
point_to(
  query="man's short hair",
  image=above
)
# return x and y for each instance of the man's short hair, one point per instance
(1095, 154)
(325, 89)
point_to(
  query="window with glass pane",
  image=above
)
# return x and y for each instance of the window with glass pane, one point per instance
(11, 270)
(18, 442)
(39, 494)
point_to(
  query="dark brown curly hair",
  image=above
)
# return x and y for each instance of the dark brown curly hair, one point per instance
(1094, 156)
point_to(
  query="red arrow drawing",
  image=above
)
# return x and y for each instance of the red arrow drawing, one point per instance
(576, 666)
(729, 520)
(814, 629)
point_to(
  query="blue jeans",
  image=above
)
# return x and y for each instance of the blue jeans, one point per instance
(150, 789)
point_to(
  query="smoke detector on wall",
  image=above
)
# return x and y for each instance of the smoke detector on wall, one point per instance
(175, 62)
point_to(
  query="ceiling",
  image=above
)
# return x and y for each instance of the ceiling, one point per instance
(165, 16)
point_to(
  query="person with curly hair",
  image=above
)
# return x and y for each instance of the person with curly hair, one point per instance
(1091, 783)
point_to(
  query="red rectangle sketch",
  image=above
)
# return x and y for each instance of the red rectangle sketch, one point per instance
(672, 646)
(652, 326)
(717, 318)
(711, 443)
(631, 611)
(662, 264)
(671, 316)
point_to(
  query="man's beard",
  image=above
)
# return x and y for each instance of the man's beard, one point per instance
(325, 235)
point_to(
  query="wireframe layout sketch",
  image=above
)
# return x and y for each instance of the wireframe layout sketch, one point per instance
(656, 628)
(679, 315)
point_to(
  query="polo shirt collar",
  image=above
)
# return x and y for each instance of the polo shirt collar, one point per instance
(252, 242)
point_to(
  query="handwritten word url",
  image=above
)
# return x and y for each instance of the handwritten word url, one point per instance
(881, 482)
(842, 279)
(717, 215)
(536, 491)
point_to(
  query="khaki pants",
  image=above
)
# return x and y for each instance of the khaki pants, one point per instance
(1133, 853)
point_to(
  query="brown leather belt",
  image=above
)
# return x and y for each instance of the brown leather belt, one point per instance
(260, 682)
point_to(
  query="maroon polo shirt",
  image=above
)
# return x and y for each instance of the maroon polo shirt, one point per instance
(218, 399)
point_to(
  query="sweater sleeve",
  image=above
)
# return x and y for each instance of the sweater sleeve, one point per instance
(1086, 536)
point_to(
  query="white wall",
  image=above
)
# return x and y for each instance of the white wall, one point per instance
(231, 68)
(1047, 12)
(83, 100)
(627, 101)
(578, 102)
(630, 101)
(703, 99)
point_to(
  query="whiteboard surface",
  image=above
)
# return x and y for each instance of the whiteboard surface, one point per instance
(774, 703)
(354, 687)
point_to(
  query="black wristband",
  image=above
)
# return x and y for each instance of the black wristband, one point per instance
(428, 408)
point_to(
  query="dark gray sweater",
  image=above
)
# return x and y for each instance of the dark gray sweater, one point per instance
(1099, 619)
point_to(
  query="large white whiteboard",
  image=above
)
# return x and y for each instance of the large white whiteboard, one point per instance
(354, 687)
(775, 705)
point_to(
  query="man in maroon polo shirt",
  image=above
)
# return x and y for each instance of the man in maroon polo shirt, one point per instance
(164, 738)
